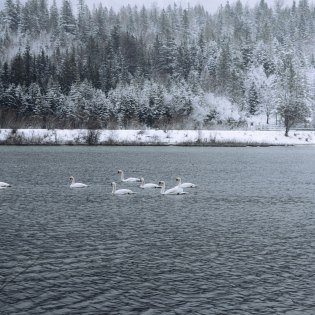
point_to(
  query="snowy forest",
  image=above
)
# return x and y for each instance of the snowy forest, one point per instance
(174, 67)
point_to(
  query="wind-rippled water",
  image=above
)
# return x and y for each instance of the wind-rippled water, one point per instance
(243, 242)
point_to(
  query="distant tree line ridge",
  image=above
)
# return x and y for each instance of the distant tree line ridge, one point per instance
(155, 67)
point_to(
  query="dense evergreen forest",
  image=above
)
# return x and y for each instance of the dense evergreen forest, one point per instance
(65, 67)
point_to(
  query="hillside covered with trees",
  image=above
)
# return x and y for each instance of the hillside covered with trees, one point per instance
(65, 67)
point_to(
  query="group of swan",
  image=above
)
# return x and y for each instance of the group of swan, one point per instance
(130, 180)
(177, 190)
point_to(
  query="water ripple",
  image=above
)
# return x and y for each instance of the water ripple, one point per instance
(242, 243)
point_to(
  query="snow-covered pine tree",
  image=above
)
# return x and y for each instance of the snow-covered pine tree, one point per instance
(293, 101)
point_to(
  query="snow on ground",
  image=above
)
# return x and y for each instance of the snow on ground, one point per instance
(149, 136)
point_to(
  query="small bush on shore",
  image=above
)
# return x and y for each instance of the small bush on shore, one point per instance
(92, 137)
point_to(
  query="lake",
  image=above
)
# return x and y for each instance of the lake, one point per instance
(243, 242)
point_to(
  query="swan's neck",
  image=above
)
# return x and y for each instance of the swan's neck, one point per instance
(122, 175)
(163, 188)
(114, 189)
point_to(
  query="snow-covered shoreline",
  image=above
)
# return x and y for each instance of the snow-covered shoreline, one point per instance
(155, 137)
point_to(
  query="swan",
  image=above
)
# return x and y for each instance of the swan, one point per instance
(128, 180)
(121, 191)
(3, 185)
(184, 185)
(172, 191)
(149, 185)
(73, 184)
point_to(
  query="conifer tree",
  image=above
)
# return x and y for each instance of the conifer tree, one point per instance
(67, 19)
(293, 101)
(53, 25)
(11, 16)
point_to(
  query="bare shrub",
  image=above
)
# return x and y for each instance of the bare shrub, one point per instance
(15, 138)
(92, 137)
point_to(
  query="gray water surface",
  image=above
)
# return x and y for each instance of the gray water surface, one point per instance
(243, 242)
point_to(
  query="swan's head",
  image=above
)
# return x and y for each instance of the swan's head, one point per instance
(141, 179)
(178, 179)
(113, 184)
(119, 171)
(71, 178)
(161, 183)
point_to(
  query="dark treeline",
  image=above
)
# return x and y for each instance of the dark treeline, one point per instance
(150, 66)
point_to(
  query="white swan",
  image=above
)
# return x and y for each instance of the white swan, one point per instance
(73, 184)
(172, 191)
(184, 185)
(149, 185)
(128, 180)
(121, 191)
(3, 185)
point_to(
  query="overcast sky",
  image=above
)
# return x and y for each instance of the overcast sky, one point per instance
(210, 5)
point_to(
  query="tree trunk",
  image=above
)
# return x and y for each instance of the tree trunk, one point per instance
(287, 131)
(287, 125)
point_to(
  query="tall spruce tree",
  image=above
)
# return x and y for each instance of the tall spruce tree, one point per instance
(293, 96)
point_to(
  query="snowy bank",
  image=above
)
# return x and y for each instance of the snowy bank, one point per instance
(155, 137)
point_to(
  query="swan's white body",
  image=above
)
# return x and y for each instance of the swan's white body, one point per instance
(172, 191)
(73, 184)
(184, 185)
(148, 185)
(127, 180)
(4, 185)
(121, 191)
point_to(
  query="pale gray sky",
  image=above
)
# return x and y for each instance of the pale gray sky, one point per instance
(210, 5)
